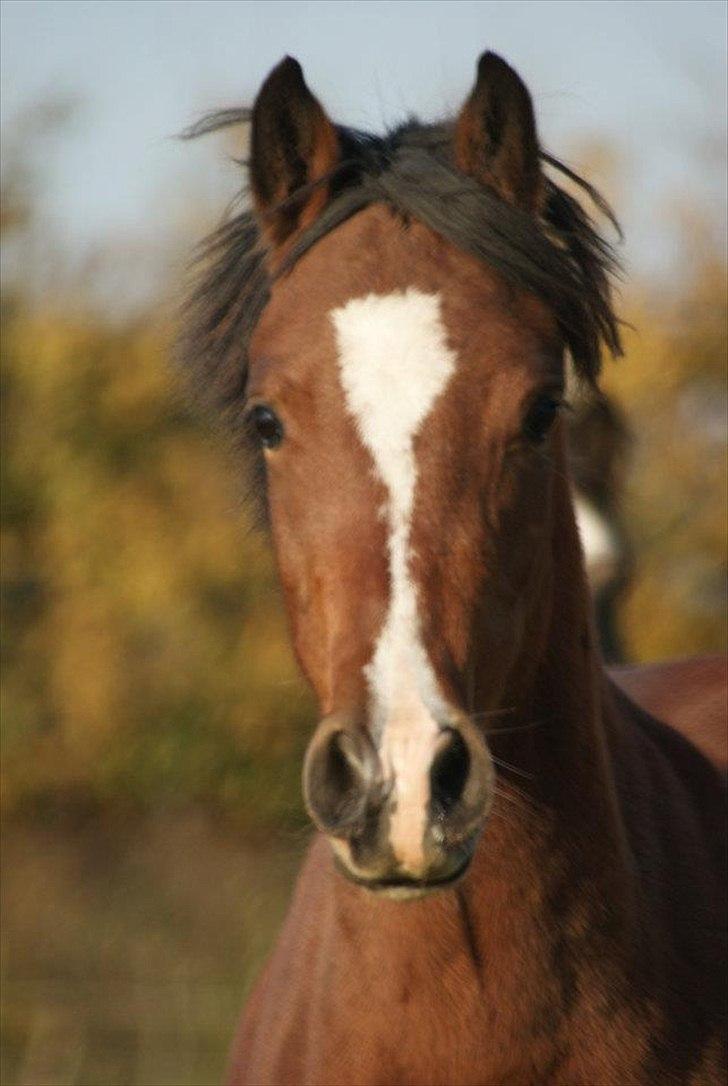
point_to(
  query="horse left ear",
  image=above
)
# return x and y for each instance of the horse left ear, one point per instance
(495, 137)
(293, 145)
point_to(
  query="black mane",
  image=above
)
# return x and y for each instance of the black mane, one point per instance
(562, 258)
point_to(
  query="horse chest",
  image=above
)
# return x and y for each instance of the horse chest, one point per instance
(421, 1014)
(396, 1033)
(390, 994)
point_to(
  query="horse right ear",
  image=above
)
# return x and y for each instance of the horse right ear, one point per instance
(293, 145)
(495, 138)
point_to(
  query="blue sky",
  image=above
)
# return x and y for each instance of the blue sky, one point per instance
(647, 77)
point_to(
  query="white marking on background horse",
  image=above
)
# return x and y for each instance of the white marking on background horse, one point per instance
(395, 362)
(599, 543)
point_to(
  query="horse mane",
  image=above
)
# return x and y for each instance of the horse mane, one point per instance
(561, 257)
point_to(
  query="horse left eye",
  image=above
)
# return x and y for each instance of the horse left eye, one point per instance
(540, 418)
(266, 425)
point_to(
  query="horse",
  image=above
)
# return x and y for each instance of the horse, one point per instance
(518, 873)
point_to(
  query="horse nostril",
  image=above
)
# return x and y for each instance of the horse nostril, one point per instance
(339, 770)
(449, 771)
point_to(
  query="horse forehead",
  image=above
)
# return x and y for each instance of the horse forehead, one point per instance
(377, 279)
(394, 361)
(398, 352)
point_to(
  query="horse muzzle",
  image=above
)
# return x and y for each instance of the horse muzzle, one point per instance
(403, 834)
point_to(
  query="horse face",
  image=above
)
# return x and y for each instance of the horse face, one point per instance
(404, 398)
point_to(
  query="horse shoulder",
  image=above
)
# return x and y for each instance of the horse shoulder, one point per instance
(691, 696)
(666, 761)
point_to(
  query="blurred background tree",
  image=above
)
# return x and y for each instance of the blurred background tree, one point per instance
(145, 656)
(672, 384)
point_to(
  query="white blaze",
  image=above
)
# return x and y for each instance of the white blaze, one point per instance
(395, 362)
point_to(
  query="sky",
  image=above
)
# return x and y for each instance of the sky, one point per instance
(645, 77)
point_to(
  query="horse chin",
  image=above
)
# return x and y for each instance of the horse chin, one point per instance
(403, 892)
(402, 888)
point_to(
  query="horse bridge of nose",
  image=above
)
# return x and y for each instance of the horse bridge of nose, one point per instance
(397, 341)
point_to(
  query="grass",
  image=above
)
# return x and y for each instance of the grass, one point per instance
(128, 946)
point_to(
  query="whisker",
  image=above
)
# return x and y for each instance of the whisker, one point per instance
(489, 713)
(513, 768)
(504, 795)
(519, 727)
(497, 814)
(523, 798)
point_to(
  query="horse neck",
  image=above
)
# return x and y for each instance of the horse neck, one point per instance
(558, 746)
